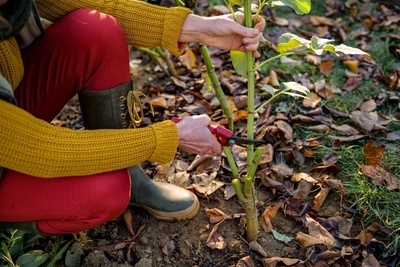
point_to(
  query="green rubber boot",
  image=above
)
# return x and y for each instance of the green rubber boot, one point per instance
(108, 110)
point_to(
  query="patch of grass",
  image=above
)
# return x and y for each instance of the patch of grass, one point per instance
(375, 202)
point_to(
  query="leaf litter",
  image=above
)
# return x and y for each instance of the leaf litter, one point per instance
(305, 209)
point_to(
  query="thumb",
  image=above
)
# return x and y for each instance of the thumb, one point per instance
(244, 31)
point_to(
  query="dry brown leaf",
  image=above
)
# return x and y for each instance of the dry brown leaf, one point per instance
(330, 158)
(315, 141)
(351, 84)
(365, 121)
(273, 79)
(297, 177)
(307, 240)
(392, 136)
(319, 128)
(345, 128)
(303, 190)
(313, 59)
(379, 176)
(326, 67)
(168, 247)
(215, 215)
(178, 82)
(309, 153)
(320, 198)
(302, 118)
(373, 153)
(342, 139)
(368, 105)
(215, 240)
(318, 231)
(365, 237)
(268, 214)
(180, 179)
(267, 155)
(311, 100)
(352, 65)
(370, 261)
(189, 59)
(286, 129)
(274, 261)
(159, 102)
(245, 262)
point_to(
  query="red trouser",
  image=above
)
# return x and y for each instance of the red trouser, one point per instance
(87, 50)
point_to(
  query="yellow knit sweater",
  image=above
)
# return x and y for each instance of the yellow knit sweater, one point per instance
(32, 146)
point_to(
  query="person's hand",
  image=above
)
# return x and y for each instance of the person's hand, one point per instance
(223, 32)
(195, 137)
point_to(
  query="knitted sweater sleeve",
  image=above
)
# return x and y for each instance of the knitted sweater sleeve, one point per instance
(37, 148)
(144, 24)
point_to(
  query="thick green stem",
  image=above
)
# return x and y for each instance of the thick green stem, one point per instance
(231, 161)
(251, 219)
(237, 185)
(216, 84)
(249, 192)
(251, 170)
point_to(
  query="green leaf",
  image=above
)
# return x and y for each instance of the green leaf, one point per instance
(269, 89)
(281, 237)
(299, 6)
(73, 257)
(284, 47)
(236, 2)
(239, 62)
(33, 258)
(348, 50)
(318, 43)
(294, 86)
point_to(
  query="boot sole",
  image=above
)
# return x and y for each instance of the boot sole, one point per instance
(181, 215)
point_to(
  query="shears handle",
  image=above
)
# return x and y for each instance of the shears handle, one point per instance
(220, 132)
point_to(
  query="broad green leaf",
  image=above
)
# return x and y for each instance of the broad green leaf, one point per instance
(73, 257)
(317, 43)
(239, 62)
(33, 258)
(330, 48)
(281, 237)
(286, 37)
(235, 2)
(348, 50)
(269, 89)
(284, 47)
(299, 6)
(294, 86)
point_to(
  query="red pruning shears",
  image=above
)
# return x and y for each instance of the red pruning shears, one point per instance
(226, 137)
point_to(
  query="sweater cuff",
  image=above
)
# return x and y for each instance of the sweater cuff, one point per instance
(167, 140)
(174, 18)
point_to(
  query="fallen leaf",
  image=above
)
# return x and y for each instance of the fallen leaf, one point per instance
(189, 59)
(274, 261)
(245, 262)
(216, 215)
(268, 214)
(307, 240)
(373, 153)
(345, 128)
(326, 67)
(379, 176)
(365, 121)
(215, 240)
(320, 198)
(316, 230)
(311, 100)
(281, 237)
(352, 65)
(368, 105)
